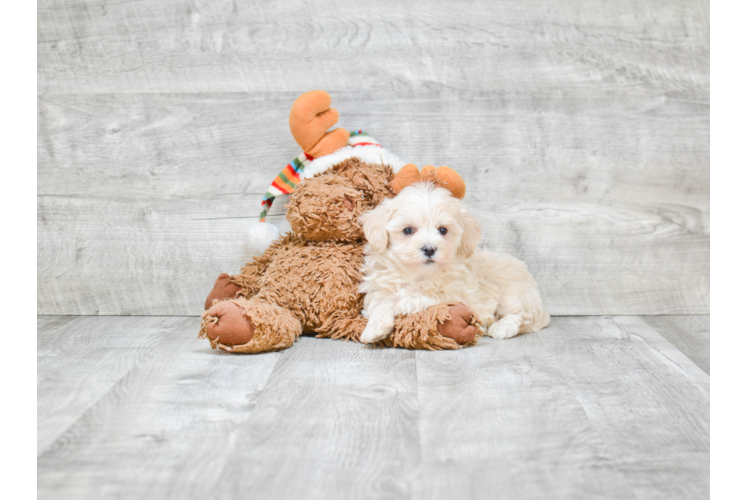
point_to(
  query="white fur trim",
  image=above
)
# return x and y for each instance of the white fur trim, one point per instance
(369, 154)
(259, 237)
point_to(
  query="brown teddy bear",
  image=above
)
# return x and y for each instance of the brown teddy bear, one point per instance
(308, 279)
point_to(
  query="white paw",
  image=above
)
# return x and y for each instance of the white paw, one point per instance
(414, 303)
(374, 333)
(506, 327)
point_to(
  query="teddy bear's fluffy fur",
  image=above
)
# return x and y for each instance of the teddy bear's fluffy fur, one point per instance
(308, 280)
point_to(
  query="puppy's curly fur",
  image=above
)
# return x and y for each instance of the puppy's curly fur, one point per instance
(421, 251)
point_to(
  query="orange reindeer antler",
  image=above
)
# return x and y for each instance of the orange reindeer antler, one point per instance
(310, 117)
(443, 177)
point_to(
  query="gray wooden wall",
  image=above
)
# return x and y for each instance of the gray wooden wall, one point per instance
(580, 127)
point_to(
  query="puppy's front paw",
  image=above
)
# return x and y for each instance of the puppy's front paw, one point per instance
(413, 304)
(506, 327)
(374, 333)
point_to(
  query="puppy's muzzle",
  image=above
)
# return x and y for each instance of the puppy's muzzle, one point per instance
(428, 250)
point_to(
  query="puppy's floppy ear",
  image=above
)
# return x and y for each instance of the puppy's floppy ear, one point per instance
(470, 234)
(373, 223)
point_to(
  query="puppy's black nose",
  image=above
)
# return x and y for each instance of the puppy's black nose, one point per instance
(429, 250)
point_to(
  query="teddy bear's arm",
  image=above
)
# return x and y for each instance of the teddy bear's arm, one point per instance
(448, 325)
(342, 325)
(249, 277)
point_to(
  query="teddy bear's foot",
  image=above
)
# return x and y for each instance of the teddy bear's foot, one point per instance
(249, 326)
(449, 325)
(460, 326)
(228, 324)
(223, 289)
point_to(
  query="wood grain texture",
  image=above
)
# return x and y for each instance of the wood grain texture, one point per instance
(690, 334)
(80, 359)
(337, 420)
(581, 406)
(591, 407)
(649, 402)
(144, 199)
(186, 46)
(714, 438)
(162, 429)
(500, 420)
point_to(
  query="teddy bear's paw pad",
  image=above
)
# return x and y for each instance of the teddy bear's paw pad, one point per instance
(223, 289)
(459, 327)
(228, 325)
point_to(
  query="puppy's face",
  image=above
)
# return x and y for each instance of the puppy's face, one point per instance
(422, 230)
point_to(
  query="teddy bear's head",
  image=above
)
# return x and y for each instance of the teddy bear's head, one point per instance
(327, 207)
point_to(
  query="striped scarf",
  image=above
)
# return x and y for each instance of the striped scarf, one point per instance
(289, 178)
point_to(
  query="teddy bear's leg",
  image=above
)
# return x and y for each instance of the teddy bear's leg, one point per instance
(246, 282)
(343, 325)
(223, 289)
(449, 325)
(249, 326)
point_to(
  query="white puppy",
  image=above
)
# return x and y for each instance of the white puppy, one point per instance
(422, 251)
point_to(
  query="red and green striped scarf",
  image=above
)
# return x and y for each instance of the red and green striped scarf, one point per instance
(286, 181)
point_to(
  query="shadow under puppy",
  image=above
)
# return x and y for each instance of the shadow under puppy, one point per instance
(421, 251)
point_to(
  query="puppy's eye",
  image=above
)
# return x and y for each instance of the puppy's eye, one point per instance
(408, 230)
(442, 230)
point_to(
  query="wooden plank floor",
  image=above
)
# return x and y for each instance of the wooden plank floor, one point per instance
(591, 407)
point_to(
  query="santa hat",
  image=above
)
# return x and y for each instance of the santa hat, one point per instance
(360, 144)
